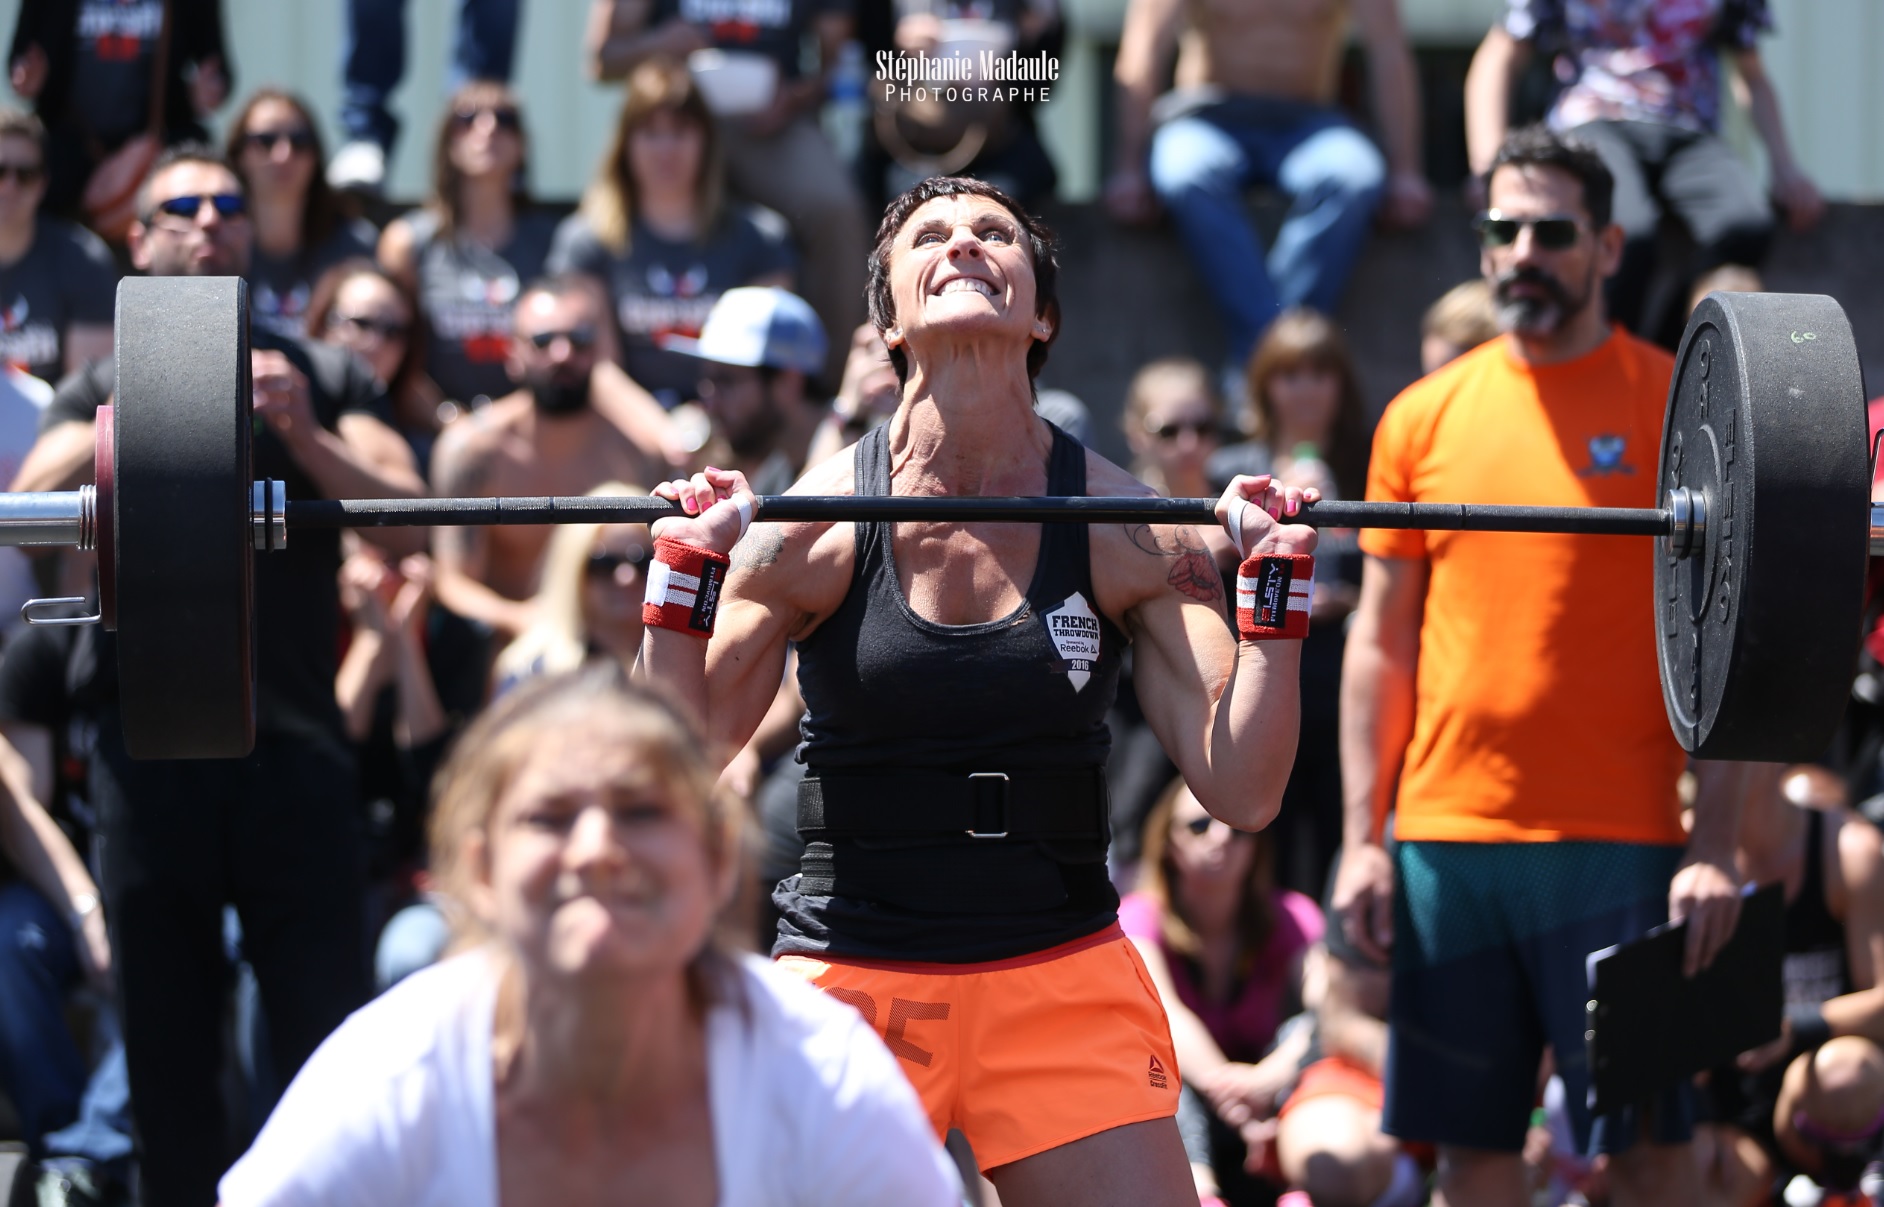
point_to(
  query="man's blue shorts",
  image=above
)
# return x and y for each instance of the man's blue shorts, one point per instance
(1489, 944)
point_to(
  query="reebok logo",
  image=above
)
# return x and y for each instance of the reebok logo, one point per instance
(1156, 1074)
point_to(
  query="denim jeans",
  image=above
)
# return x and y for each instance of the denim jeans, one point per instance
(1203, 160)
(373, 58)
(40, 1066)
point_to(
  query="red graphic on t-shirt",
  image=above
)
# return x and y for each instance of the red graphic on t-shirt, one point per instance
(487, 348)
(118, 48)
(735, 31)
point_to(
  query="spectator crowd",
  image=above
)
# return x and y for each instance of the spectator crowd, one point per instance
(1374, 1000)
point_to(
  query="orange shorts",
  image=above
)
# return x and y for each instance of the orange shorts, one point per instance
(1331, 1075)
(1022, 1055)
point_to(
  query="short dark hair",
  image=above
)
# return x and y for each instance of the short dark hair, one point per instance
(1538, 145)
(568, 283)
(1040, 244)
(184, 152)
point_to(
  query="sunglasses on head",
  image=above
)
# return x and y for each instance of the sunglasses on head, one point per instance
(580, 338)
(228, 205)
(506, 118)
(604, 562)
(1553, 234)
(367, 325)
(25, 173)
(268, 140)
(1200, 428)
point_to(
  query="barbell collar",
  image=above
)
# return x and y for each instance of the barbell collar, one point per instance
(50, 517)
(268, 514)
(1877, 530)
(1332, 513)
(1687, 523)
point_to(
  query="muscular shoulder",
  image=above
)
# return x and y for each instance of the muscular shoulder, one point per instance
(1104, 478)
(469, 449)
(1860, 856)
(1136, 562)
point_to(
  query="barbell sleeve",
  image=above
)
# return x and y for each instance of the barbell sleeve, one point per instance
(52, 517)
(1331, 513)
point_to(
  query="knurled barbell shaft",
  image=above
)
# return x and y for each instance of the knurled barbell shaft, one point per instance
(1332, 513)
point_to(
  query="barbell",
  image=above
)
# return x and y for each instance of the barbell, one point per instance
(1760, 545)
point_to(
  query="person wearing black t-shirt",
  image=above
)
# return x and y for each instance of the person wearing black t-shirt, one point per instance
(278, 833)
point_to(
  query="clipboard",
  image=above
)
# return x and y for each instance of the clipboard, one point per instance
(1651, 1028)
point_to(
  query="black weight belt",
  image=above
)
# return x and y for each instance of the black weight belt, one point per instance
(998, 842)
(1026, 805)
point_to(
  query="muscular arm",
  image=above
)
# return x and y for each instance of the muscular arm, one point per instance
(1861, 865)
(1488, 83)
(1198, 1055)
(1377, 706)
(462, 466)
(1145, 49)
(1377, 691)
(1795, 191)
(1396, 84)
(60, 459)
(632, 409)
(617, 38)
(1227, 711)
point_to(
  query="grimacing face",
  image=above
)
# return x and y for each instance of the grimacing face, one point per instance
(961, 268)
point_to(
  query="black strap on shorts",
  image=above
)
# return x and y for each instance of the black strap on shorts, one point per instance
(1028, 805)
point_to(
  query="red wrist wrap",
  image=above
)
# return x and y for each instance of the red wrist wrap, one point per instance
(1273, 591)
(683, 587)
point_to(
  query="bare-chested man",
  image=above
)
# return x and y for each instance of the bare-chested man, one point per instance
(544, 438)
(1254, 103)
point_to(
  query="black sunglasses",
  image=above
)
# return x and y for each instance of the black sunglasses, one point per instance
(385, 329)
(506, 118)
(25, 173)
(603, 563)
(1552, 234)
(580, 338)
(228, 205)
(1201, 428)
(268, 140)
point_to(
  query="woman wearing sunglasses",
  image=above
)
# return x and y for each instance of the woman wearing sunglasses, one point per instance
(589, 606)
(1224, 945)
(275, 146)
(470, 250)
(362, 307)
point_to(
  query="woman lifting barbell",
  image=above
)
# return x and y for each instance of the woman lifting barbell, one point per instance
(957, 678)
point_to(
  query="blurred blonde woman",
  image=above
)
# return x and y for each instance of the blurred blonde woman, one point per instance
(594, 1040)
(589, 604)
(655, 228)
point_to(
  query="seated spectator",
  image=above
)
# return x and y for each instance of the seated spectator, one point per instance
(758, 358)
(579, 833)
(548, 437)
(1224, 946)
(1328, 1140)
(1643, 86)
(777, 156)
(1307, 426)
(58, 283)
(88, 71)
(275, 144)
(589, 605)
(469, 252)
(656, 229)
(995, 141)
(362, 307)
(867, 396)
(1255, 104)
(1173, 422)
(1462, 319)
(1796, 830)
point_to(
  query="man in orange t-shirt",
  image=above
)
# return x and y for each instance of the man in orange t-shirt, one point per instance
(1507, 684)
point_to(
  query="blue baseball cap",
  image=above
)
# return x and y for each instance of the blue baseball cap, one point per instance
(758, 326)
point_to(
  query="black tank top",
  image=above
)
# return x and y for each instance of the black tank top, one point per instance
(1817, 967)
(886, 689)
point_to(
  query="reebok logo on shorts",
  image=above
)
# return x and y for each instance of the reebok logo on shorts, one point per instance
(1158, 1079)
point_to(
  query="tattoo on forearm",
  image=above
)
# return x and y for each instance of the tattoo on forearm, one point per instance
(1193, 570)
